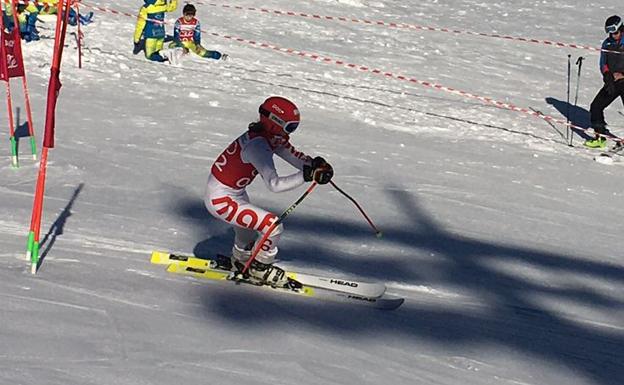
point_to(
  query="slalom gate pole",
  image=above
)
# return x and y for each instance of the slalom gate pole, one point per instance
(79, 34)
(48, 138)
(31, 130)
(279, 220)
(378, 233)
(35, 225)
(579, 63)
(568, 100)
(12, 138)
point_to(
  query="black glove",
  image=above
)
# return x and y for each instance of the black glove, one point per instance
(609, 81)
(138, 47)
(320, 171)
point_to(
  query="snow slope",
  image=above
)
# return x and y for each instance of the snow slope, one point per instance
(505, 242)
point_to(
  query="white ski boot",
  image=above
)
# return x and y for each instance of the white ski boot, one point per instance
(259, 273)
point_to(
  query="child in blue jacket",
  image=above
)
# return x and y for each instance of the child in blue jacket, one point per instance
(612, 69)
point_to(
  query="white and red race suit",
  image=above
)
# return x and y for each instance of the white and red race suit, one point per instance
(226, 196)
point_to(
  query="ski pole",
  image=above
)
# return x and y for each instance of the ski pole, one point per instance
(279, 220)
(79, 34)
(579, 63)
(568, 101)
(377, 232)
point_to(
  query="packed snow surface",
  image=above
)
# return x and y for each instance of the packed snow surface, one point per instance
(505, 242)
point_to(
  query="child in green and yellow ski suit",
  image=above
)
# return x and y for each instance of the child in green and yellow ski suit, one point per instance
(150, 27)
(26, 16)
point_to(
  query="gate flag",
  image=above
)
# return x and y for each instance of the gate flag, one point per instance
(11, 52)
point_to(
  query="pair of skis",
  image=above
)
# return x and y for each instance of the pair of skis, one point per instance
(307, 285)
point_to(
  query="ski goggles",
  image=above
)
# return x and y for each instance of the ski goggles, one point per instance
(613, 28)
(288, 127)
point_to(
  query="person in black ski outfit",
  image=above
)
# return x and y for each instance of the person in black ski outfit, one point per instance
(612, 69)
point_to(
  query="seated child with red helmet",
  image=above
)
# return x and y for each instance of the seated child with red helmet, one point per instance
(249, 155)
(187, 34)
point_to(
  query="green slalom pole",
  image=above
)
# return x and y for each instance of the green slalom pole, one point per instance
(34, 259)
(14, 161)
(33, 147)
(31, 245)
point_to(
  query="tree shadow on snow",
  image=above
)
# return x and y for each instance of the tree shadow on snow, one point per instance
(217, 237)
(510, 316)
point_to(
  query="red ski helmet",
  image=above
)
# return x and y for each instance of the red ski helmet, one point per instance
(279, 115)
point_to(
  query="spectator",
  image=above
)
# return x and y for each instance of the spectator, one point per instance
(612, 69)
(149, 34)
(187, 34)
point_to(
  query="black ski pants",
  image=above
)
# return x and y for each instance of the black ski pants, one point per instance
(602, 100)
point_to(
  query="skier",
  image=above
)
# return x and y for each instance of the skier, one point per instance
(75, 18)
(27, 14)
(249, 155)
(187, 34)
(49, 7)
(149, 34)
(612, 69)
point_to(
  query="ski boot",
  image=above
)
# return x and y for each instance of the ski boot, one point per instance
(599, 142)
(258, 274)
(30, 36)
(86, 19)
(267, 274)
(222, 262)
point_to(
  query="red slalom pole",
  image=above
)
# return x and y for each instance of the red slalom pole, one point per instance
(32, 252)
(31, 130)
(48, 139)
(12, 138)
(79, 34)
(275, 224)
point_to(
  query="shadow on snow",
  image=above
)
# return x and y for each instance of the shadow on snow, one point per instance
(577, 116)
(436, 258)
(57, 227)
